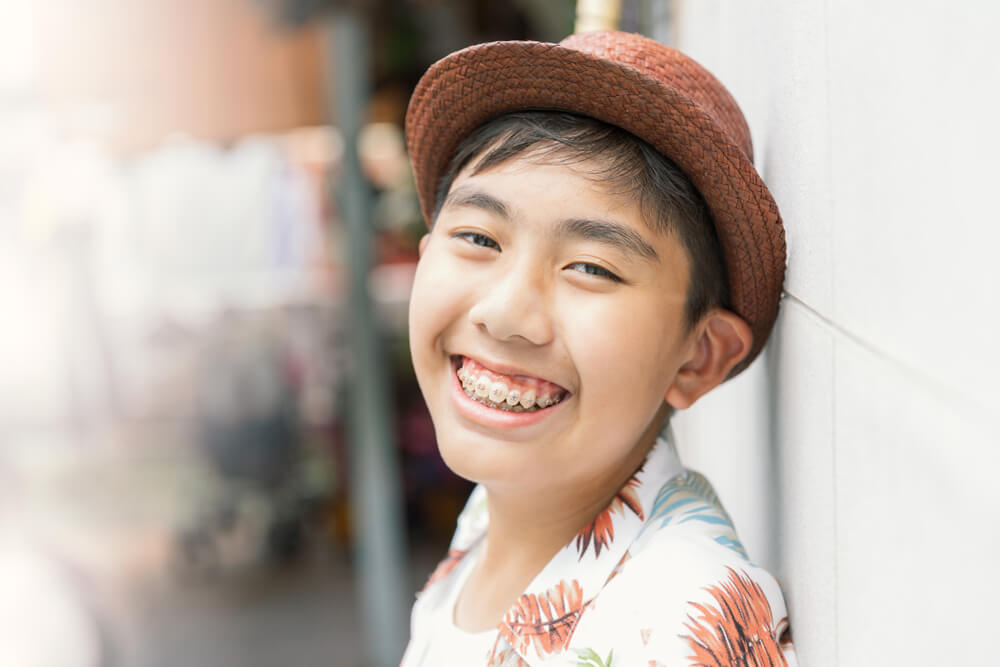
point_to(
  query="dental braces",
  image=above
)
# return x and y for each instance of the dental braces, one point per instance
(498, 395)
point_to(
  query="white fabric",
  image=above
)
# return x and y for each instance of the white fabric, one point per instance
(451, 645)
(658, 578)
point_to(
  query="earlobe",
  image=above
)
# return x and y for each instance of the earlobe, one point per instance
(723, 340)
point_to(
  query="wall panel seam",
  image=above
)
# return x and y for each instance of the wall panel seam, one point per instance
(936, 385)
(833, 348)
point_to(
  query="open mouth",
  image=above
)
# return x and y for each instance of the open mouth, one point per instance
(510, 393)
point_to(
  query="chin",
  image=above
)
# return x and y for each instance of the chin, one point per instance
(469, 459)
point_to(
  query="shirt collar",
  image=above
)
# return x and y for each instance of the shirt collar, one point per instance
(581, 569)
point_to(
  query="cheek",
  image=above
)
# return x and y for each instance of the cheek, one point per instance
(435, 302)
(628, 362)
(421, 314)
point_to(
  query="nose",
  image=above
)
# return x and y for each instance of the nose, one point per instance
(514, 307)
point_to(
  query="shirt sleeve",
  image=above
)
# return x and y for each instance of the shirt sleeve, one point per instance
(687, 602)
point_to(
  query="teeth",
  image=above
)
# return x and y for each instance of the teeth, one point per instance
(528, 399)
(499, 395)
(498, 392)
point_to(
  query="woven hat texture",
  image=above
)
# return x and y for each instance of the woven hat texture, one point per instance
(655, 92)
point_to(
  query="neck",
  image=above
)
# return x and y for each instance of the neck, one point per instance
(529, 526)
(527, 530)
(524, 534)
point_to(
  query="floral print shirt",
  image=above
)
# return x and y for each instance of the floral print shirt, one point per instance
(658, 578)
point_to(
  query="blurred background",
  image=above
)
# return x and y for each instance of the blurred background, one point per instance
(212, 448)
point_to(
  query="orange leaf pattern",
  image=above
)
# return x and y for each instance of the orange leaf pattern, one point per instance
(739, 631)
(545, 621)
(601, 530)
(627, 600)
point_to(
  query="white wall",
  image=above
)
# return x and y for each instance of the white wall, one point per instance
(860, 456)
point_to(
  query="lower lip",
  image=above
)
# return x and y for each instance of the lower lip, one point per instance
(477, 412)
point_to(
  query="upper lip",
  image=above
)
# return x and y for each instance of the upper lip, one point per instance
(508, 369)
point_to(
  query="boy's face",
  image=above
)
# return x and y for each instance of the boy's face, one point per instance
(534, 279)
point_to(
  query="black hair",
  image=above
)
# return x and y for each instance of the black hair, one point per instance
(669, 203)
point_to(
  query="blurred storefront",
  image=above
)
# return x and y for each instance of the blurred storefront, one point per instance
(176, 337)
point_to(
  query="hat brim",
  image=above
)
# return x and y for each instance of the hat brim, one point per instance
(466, 89)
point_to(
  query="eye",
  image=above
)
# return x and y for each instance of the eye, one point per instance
(475, 238)
(594, 270)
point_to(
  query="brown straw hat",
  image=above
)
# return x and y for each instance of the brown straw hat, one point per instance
(653, 91)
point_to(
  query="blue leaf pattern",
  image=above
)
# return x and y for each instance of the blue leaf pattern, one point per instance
(690, 497)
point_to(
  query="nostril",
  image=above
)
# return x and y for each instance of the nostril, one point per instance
(506, 314)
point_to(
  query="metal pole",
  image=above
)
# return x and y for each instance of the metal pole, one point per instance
(380, 563)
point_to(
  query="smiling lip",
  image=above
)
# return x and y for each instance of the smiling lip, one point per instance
(502, 369)
(492, 417)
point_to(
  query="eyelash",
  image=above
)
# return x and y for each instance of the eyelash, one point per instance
(595, 270)
(478, 239)
(475, 238)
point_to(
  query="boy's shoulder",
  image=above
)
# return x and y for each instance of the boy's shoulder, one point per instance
(684, 598)
(685, 541)
(660, 575)
(687, 547)
(682, 592)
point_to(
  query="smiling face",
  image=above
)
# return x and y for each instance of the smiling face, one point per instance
(535, 279)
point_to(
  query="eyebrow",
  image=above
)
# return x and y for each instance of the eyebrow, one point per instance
(466, 196)
(609, 233)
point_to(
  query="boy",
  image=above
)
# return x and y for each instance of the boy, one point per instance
(601, 252)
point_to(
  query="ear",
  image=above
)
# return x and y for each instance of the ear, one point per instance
(722, 340)
(423, 244)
